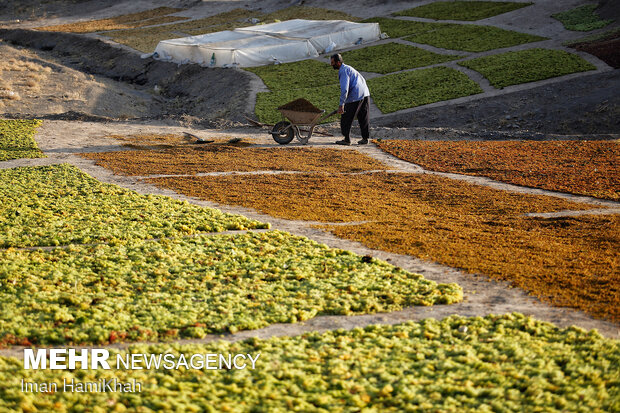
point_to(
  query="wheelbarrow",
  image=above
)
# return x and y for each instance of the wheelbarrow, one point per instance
(284, 131)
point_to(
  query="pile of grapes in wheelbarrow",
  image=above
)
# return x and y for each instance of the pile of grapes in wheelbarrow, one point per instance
(298, 113)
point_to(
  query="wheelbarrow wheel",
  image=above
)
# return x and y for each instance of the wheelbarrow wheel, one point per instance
(283, 132)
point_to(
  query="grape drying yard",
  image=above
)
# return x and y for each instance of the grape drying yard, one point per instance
(405, 275)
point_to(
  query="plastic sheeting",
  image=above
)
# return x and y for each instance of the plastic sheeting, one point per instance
(282, 42)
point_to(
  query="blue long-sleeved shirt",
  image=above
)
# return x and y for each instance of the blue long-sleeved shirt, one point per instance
(352, 85)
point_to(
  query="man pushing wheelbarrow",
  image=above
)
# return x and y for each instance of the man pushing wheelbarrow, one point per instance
(354, 100)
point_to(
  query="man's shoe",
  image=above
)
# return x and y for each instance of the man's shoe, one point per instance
(363, 142)
(343, 142)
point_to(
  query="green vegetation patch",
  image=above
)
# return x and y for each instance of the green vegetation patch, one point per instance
(420, 87)
(582, 19)
(144, 18)
(146, 39)
(392, 57)
(307, 13)
(399, 28)
(390, 93)
(465, 37)
(17, 139)
(606, 35)
(296, 75)
(193, 286)
(323, 97)
(59, 204)
(471, 38)
(524, 66)
(309, 79)
(461, 10)
(508, 363)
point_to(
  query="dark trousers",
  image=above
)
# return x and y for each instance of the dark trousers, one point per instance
(361, 108)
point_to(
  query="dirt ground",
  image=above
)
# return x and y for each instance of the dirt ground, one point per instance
(31, 12)
(588, 105)
(45, 87)
(147, 88)
(606, 49)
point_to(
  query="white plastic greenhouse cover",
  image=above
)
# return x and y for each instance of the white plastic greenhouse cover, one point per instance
(282, 42)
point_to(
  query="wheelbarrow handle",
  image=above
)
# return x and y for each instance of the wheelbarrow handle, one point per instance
(320, 118)
(333, 112)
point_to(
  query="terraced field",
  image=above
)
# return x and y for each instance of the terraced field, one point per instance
(84, 262)
(462, 10)
(420, 87)
(513, 68)
(395, 57)
(145, 39)
(156, 16)
(314, 80)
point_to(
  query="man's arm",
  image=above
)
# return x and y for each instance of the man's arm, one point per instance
(344, 90)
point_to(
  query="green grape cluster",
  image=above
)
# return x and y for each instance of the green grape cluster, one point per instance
(188, 287)
(508, 363)
(17, 139)
(60, 205)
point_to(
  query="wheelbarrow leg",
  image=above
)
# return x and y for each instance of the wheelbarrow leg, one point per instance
(300, 138)
(304, 141)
